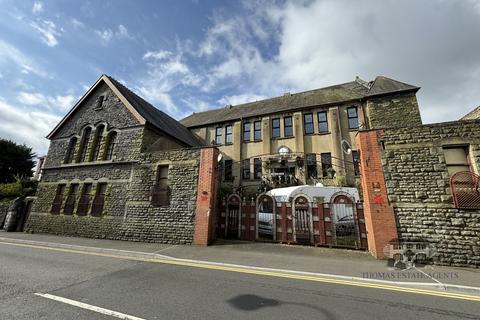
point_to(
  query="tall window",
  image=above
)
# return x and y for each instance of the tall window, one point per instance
(218, 135)
(257, 168)
(71, 198)
(257, 130)
(160, 195)
(456, 159)
(84, 145)
(308, 123)
(97, 143)
(288, 126)
(327, 164)
(84, 201)
(228, 170)
(276, 128)
(58, 200)
(111, 142)
(71, 150)
(99, 200)
(356, 162)
(322, 122)
(99, 104)
(228, 134)
(311, 165)
(246, 131)
(352, 114)
(246, 169)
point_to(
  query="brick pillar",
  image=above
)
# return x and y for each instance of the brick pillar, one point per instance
(206, 197)
(379, 214)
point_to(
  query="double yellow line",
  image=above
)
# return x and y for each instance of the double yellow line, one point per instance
(254, 271)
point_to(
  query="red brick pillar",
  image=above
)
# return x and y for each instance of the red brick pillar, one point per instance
(206, 197)
(379, 214)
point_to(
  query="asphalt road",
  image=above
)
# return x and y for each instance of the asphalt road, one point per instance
(162, 291)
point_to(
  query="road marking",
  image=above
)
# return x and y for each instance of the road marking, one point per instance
(89, 307)
(257, 271)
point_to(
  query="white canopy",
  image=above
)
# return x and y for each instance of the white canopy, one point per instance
(283, 194)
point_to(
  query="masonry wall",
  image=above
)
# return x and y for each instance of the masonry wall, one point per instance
(417, 183)
(393, 111)
(128, 212)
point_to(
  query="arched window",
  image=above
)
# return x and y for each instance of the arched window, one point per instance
(97, 143)
(84, 145)
(71, 150)
(111, 141)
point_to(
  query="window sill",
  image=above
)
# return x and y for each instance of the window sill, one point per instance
(87, 164)
(252, 141)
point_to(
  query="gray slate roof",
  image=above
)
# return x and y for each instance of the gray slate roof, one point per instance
(474, 114)
(157, 118)
(350, 91)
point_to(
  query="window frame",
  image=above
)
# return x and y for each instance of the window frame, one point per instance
(311, 162)
(246, 132)
(285, 126)
(321, 122)
(257, 168)
(84, 201)
(98, 203)
(110, 147)
(356, 162)
(350, 118)
(257, 130)
(228, 163)
(326, 164)
(83, 150)
(274, 128)
(246, 169)
(228, 134)
(305, 123)
(97, 143)
(57, 202)
(71, 199)
(218, 136)
(70, 155)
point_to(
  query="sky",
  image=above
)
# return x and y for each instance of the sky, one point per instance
(193, 55)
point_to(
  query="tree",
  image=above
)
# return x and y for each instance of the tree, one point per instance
(16, 161)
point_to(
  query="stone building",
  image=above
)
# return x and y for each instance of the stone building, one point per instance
(296, 138)
(119, 168)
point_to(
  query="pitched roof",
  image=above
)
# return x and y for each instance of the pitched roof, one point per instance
(157, 118)
(474, 114)
(143, 111)
(345, 92)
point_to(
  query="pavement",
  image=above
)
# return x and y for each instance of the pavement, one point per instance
(325, 262)
(50, 277)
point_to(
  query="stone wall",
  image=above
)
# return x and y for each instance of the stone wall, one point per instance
(393, 111)
(128, 212)
(417, 183)
(4, 204)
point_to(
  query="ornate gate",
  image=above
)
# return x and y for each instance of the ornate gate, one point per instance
(266, 217)
(345, 226)
(302, 220)
(233, 217)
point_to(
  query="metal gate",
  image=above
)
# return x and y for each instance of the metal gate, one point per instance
(302, 220)
(345, 226)
(265, 217)
(233, 217)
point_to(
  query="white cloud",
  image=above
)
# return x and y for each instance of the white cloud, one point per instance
(160, 54)
(26, 126)
(107, 35)
(11, 56)
(48, 31)
(50, 102)
(77, 23)
(240, 98)
(37, 7)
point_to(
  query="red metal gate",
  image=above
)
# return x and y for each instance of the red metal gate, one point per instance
(233, 216)
(302, 220)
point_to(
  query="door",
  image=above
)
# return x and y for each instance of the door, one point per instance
(233, 216)
(302, 221)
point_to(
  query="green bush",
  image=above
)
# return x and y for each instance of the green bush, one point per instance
(11, 190)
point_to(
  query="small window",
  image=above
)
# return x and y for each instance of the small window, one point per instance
(257, 130)
(111, 141)
(288, 126)
(160, 194)
(228, 134)
(311, 165)
(246, 169)
(308, 123)
(99, 200)
(99, 103)
(456, 159)
(352, 113)
(322, 122)
(218, 135)
(84, 145)
(71, 150)
(70, 201)
(228, 170)
(58, 199)
(327, 169)
(84, 201)
(276, 128)
(246, 131)
(257, 168)
(97, 143)
(356, 162)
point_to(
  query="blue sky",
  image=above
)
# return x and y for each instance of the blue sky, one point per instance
(186, 56)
